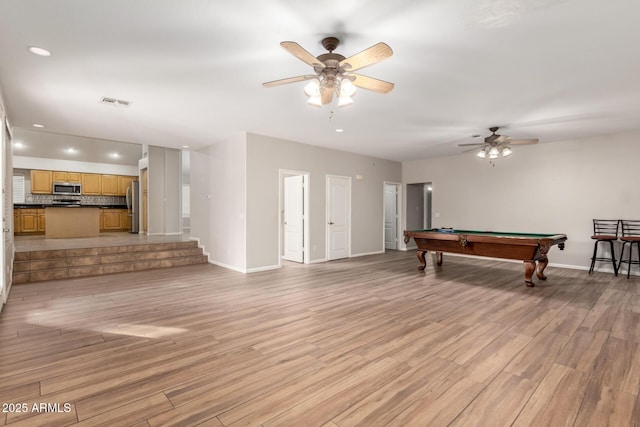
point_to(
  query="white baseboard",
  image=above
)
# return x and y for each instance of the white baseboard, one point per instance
(367, 253)
(228, 267)
(258, 269)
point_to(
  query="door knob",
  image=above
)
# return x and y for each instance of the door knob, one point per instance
(331, 223)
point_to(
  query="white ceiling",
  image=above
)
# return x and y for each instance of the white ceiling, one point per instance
(552, 69)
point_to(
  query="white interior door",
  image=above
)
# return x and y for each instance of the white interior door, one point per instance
(390, 216)
(294, 218)
(338, 217)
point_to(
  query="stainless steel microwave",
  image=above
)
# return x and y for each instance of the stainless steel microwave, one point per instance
(67, 188)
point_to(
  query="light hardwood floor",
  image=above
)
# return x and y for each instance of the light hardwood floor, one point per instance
(369, 341)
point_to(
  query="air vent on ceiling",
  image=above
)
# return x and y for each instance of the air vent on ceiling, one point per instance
(115, 102)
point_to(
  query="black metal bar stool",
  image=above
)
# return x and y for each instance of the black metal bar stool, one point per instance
(630, 235)
(605, 230)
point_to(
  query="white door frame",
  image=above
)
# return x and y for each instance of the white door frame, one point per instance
(328, 215)
(293, 220)
(398, 186)
(7, 250)
(427, 193)
(282, 173)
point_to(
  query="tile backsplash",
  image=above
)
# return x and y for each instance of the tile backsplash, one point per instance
(46, 199)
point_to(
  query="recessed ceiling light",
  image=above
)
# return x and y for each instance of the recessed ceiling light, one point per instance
(71, 150)
(185, 146)
(18, 144)
(39, 51)
(339, 130)
(114, 155)
(36, 125)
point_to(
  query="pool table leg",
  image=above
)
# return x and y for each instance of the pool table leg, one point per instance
(529, 268)
(439, 258)
(423, 263)
(542, 264)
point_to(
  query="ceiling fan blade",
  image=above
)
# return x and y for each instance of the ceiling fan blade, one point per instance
(523, 141)
(288, 80)
(370, 83)
(469, 149)
(369, 56)
(326, 95)
(301, 53)
(469, 145)
(502, 138)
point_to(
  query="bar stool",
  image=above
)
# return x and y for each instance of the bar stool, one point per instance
(605, 230)
(631, 235)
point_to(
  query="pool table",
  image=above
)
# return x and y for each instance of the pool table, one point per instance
(530, 248)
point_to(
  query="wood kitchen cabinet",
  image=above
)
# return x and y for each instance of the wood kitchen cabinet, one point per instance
(109, 185)
(16, 221)
(123, 183)
(41, 221)
(61, 176)
(111, 219)
(91, 184)
(115, 220)
(29, 220)
(41, 182)
(125, 219)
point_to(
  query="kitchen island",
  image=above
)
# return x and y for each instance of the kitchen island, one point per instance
(68, 221)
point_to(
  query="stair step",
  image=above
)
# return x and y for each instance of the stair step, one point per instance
(56, 264)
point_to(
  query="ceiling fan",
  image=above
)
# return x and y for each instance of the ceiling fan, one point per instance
(334, 74)
(496, 145)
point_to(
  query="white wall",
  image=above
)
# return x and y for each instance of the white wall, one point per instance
(218, 202)
(172, 191)
(235, 198)
(164, 174)
(554, 187)
(266, 156)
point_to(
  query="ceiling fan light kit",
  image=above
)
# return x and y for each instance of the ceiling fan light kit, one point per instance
(496, 145)
(344, 90)
(334, 73)
(494, 152)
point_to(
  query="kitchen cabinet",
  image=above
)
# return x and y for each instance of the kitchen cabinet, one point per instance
(115, 220)
(29, 220)
(125, 219)
(16, 221)
(61, 176)
(111, 219)
(41, 220)
(41, 182)
(123, 183)
(109, 185)
(91, 184)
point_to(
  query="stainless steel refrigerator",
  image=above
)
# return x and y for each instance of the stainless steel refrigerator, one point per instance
(133, 205)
